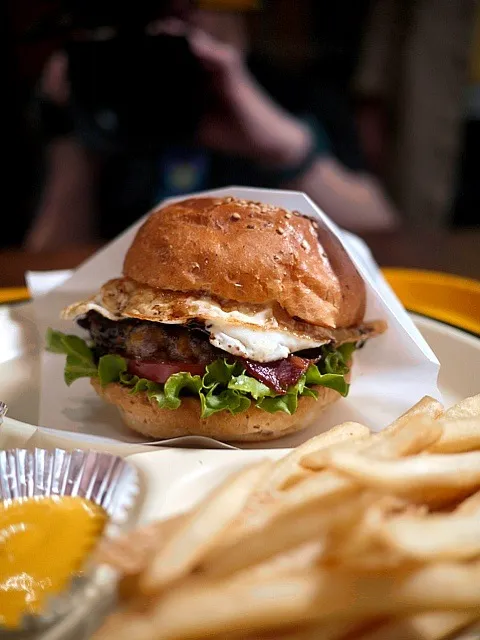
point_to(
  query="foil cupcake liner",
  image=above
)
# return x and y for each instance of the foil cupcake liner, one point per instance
(107, 480)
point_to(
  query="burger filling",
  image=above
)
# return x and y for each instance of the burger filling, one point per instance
(169, 361)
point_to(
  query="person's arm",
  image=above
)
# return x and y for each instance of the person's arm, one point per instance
(66, 210)
(251, 124)
(355, 201)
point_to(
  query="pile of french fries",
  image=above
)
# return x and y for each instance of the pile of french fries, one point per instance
(352, 535)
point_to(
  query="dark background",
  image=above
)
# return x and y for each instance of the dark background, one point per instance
(302, 52)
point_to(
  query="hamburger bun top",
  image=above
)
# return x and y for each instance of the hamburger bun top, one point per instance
(249, 252)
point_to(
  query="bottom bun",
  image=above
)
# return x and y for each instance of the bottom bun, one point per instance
(144, 417)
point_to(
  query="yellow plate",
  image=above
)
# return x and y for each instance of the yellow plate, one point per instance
(441, 296)
(14, 294)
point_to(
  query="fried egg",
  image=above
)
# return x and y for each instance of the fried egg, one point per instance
(250, 331)
(258, 345)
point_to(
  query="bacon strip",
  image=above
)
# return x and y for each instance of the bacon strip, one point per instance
(280, 374)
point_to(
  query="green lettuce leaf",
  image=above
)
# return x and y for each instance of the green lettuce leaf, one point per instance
(58, 342)
(141, 384)
(177, 383)
(243, 404)
(331, 380)
(220, 372)
(226, 400)
(80, 362)
(347, 350)
(247, 384)
(167, 395)
(309, 393)
(76, 368)
(110, 368)
(128, 379)
(299, 388)
(336, 360)
(287, 403)
(223, 387)
(335, 364)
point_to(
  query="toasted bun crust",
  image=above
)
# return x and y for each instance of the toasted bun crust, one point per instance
(144, 417)
(249, 252)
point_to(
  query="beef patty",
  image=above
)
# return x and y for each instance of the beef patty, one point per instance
(143, 340)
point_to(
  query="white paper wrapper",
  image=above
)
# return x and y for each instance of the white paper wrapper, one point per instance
(109, 481)
(390, 374)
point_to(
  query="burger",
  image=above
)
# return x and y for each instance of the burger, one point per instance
(233, 319)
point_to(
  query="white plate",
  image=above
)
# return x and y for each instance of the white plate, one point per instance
(20, 343)
(459, 356)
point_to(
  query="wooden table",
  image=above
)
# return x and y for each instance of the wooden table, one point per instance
(452, 252)
(15, 262)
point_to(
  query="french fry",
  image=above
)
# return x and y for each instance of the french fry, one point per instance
(260, 507)
(410, 476)
(472, 632)
(297, 474)
(287, 472)
(289, 528)
(467, 408)
(131, 557)
(334, 630)
(132, 621)
(352, 536)
(316, 631)
(301, 557)
(202, 529)
(362, 548)
(410, 437)
(436, 536)
(470, 504)
(458, 436)
(320, 459)
(423, 626)
(427, 407)
(202, 609)
(324, 488)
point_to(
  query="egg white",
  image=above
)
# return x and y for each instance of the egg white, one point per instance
(255, 335)
(259, 345)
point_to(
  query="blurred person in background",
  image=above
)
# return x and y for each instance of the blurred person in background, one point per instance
(410, 85)
(19, 146)
(466, 211)
(159, 101)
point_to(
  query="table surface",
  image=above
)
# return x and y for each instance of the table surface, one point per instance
(456, 252)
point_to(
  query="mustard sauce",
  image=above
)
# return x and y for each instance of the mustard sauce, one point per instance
(43, 543)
